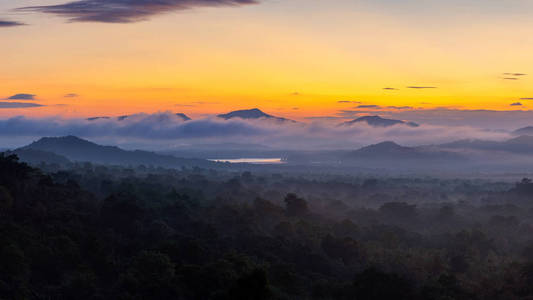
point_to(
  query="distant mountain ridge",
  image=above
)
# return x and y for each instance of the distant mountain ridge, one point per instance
(253, 113)
(521, 145)
(377, 121)
(389, 151)
(524, 131)
(76, 149)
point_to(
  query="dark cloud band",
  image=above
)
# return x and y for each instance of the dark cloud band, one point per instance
(22, 97)
(4, 23)
(7, 105)
(514, 74)
(126, 11)
(369, 106)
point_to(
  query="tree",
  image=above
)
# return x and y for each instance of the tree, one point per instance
(346, 249)
(151, 276)
(295, 206)
(6, 200)
(399, 211)
(251, 286)
(373, 284)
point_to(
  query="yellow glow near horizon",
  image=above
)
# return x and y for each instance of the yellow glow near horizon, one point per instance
(217, 60)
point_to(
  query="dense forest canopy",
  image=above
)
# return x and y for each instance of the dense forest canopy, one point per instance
(107, 232)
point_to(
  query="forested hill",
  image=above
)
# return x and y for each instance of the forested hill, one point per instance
(76, 149)
(97, 233)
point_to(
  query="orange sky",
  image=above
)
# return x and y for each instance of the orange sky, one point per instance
(274, 55)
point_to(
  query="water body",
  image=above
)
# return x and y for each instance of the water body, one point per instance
(256, 161)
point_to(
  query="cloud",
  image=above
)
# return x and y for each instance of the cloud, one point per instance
(5, 105)
(323, 118)
(481, 118)
(421, 87)
(4, 23)
(369, 106)
(348, 101)
(526, 98)
(510, 78)
(516, 104)
(390, 89)
(71, 95)
(400, 107)
(145, 126)
(125, 11)
(514, 74)
(163, 129)
(22, 97)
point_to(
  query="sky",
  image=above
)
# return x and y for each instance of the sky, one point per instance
(430, 60)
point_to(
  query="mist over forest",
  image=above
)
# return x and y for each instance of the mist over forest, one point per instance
(243, 221)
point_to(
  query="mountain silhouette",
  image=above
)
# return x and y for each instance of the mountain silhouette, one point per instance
(35, 157)
(377, 121)
(253, 113)
(521, 144)
(524, 131)
(76, 149)
(391, 152)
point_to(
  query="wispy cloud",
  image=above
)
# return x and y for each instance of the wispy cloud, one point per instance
(6, 105)
(369, 106)
(347, 101)
(400, 107)
(510, 78)
(421, 87)
(516, 104)
(125, 11)
(324, 118)
(481, 118)
(71, 95)
(4, 23)
(531, 98)
(514, 74)
(390, 89)
(166, 128)
(22, 97)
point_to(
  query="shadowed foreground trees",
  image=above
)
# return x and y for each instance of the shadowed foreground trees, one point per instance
(178, 235)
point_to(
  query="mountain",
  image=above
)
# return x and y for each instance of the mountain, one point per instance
(77, 149)
(524, 131)
(521, 145)
(183, 116)
(35, 157)
(377, 121)
(254, 113)
(384, 149)
(391, 152)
